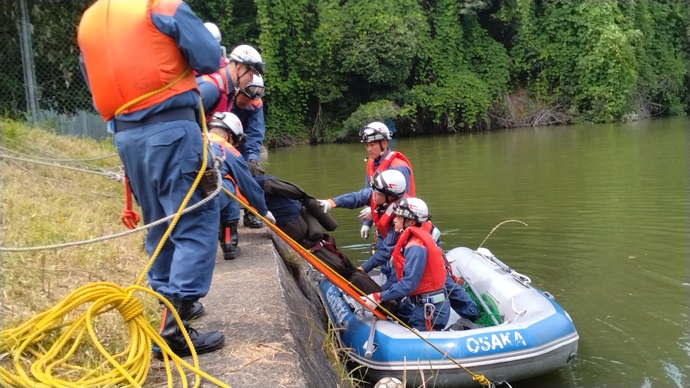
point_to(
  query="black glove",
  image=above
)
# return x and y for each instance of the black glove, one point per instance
(254, 167)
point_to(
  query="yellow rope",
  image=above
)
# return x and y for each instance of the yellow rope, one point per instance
(48, 341)
(149, 94)
(476, 377)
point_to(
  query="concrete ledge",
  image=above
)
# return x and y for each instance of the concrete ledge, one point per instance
(273, 323)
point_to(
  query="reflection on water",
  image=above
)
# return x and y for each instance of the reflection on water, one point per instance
(607, 212)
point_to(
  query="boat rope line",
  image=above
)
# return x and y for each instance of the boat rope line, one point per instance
(112, 236)
(354, 292)
(496, 227)
(30, 340)
(72, 160)
(109, 174)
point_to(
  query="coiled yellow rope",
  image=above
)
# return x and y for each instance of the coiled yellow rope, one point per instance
(49, 340)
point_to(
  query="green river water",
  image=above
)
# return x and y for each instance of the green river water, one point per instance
(607, 214)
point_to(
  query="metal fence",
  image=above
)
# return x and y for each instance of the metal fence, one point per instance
(40, 80)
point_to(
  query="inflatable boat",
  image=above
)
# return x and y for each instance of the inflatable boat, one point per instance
(529, 333)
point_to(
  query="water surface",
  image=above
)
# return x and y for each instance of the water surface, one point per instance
(607, 214)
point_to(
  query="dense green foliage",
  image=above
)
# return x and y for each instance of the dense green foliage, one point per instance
(426, 65)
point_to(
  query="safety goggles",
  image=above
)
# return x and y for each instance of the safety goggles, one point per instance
(369, 134)
(255, 89)
(404, 211)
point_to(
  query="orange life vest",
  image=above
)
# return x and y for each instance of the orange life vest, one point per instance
(434, 277)
(392, 160)
(126, 56)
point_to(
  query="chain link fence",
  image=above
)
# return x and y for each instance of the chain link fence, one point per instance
(39, 67)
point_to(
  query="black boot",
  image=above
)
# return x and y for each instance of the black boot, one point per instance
(229, 240)
(197, 310)
(251, 220)
(172, 335)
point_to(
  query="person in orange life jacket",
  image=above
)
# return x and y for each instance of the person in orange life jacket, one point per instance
(238, 88)
(223, 128)
(459, 300)
(375, 136)
(150, 104)
(420, 271)
(385, 188)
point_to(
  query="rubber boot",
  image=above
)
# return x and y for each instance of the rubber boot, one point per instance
(172, 335)
(251, 221)
(229, 240)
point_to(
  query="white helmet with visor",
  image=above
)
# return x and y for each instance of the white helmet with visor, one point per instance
(248, 56)
(255, 89)
(412, 208)
(375, 131)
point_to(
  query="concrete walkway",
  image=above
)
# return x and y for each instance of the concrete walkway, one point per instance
(271, 317)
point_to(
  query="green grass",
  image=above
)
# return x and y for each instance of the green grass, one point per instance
(44, 205)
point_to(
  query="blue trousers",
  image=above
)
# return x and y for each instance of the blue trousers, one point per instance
(414, 315)
(460, 301)
(161, 161)
(229, 208)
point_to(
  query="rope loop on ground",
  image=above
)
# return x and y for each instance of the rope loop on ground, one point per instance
(47, 342)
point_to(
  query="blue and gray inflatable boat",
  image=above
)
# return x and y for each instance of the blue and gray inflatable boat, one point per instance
(532, 335)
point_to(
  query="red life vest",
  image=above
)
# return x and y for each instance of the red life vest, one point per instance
(224, 103)
(382, 220)
(114, 77)
(434, 276)
(392, 160)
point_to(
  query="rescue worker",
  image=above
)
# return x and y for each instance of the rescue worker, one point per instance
(385, 188)
(225, 132)
(224, 91)
(375, 136)
(150, 103)
(420, 271)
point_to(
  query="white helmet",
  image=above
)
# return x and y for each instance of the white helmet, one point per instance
(374, 131)
(247, 55)
(390, 183)
(413, 209)
(231, 124)
(255, 89)
(213, 29)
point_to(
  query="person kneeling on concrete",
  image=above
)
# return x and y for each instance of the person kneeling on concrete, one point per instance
(225, 127)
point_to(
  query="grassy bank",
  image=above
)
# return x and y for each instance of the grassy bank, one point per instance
(45, 205)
